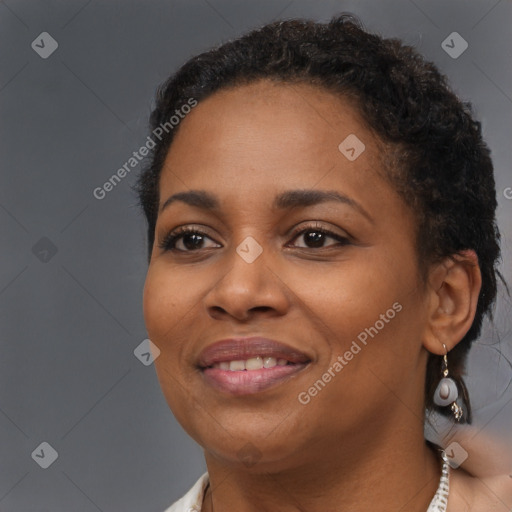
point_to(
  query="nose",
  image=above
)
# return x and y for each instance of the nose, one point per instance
(248, 289)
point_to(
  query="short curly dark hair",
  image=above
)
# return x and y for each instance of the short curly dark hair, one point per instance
(437, 159)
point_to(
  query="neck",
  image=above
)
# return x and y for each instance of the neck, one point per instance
(395, 470)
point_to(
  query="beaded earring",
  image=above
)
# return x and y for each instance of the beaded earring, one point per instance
(447, 392)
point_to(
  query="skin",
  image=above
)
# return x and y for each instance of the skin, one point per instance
(358, 444)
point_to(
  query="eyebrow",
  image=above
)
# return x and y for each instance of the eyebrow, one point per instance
(287, 200)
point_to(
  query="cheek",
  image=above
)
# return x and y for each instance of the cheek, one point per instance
(166, 299)
(351, 295)
(165, 306)
(368, 308)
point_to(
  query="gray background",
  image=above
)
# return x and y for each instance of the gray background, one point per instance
(70, 321)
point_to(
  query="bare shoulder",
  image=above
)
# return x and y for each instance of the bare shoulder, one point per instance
(486, 494)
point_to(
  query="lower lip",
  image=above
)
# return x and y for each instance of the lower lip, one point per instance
(248, 382)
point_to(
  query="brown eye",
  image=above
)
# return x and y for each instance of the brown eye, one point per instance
(184, 240)
(315, 237)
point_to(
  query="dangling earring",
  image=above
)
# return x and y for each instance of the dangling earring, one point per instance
(446, 392)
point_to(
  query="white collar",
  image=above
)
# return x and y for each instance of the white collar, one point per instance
(193, 500)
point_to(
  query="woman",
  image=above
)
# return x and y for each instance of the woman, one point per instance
(322, 251)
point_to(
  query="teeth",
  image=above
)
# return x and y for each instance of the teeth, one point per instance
(269, 362)
(254, 363)
(236, 365)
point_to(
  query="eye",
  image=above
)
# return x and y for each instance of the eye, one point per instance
(314, 237)
(191, 239)
(188, 238)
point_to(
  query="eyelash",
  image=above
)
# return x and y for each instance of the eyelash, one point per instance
(168, 243)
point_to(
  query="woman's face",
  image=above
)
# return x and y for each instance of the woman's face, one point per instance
(346, 306)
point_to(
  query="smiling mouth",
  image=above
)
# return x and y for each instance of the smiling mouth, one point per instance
(254, 363)
(247, 366)
(248, 382)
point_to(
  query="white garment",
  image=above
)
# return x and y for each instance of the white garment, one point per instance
(193, 500)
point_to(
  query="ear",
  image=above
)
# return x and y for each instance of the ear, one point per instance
(452, 295)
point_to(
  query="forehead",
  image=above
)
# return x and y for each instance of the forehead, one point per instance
(270, 132)
(298, 112)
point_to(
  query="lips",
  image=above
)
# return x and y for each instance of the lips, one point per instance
(241, 366)
(241, 349)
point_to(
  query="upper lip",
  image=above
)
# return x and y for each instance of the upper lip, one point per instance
(236, 349)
